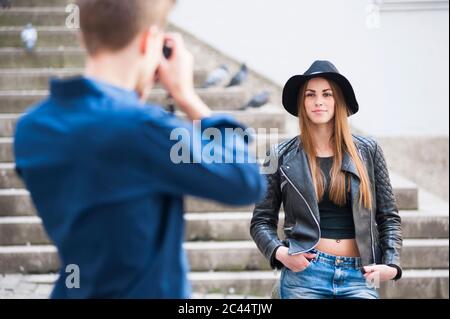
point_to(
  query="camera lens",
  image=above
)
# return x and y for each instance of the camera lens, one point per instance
(167, 51)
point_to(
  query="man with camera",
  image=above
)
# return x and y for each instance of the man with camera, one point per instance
(96, 159)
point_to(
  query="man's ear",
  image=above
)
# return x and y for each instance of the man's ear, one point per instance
(146, 36)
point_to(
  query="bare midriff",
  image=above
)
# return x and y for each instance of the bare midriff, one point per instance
(338, 247)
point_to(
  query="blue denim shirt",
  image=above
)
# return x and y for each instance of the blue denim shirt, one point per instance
(97, 164)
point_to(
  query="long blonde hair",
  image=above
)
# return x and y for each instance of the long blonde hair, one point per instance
(342, 141)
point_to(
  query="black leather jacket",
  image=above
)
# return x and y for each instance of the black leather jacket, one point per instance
(378, 231)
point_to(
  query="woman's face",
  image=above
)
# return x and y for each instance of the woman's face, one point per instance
(319, 101)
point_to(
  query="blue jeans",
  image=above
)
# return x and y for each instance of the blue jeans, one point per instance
(327, 277)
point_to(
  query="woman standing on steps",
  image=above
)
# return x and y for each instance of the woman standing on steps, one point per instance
(342, 227)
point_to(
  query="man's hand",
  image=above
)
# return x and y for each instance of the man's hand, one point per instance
(381, 272)
(176, 74)
(296, 263)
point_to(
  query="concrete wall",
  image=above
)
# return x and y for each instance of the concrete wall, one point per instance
(424, 160)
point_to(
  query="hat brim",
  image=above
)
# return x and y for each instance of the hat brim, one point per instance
(293, 85)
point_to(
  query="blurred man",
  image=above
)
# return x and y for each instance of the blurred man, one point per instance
(97, 160)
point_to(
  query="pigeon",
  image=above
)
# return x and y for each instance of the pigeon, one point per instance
(258, 100)
(5, 4)
(29, 37)
(240, 76)
(217, 77)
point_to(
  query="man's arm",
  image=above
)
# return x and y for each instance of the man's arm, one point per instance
(174, 158)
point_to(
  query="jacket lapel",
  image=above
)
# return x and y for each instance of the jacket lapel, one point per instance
(348, 165)
(296, 169)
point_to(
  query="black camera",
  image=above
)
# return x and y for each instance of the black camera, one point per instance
(167, 51)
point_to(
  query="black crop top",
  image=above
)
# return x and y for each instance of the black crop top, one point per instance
(336, 222)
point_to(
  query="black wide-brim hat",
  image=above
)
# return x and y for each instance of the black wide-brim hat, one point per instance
(323, 69)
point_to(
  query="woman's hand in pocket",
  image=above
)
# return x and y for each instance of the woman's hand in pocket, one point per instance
(295, 263)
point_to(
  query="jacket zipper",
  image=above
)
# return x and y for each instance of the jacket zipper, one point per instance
(312, 214)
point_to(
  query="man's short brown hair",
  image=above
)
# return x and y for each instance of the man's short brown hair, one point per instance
(113, 24)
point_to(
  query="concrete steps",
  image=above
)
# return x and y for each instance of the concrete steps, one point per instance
(53, 57)
(38, 79)
(262, 118)
(219, 227)
(217, 256)
(7, 157)
(6, 150)
(41, 3)
(236, 225)
(420, 224)
(38, 16)
(22, 231)
(216, 98)
(63, 57)
(47, 37)
(17, 202)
